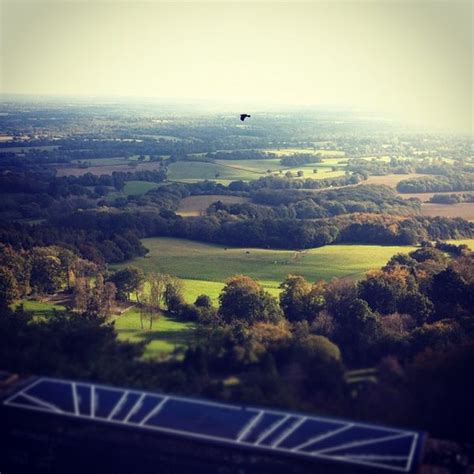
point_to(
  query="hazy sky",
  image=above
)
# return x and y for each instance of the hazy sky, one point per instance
(413, 58)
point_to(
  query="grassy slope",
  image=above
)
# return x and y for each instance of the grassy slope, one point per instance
(205, 267)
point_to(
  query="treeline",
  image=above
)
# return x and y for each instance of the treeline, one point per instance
(451, 198)
(299, 159)
(241, 155)
(426, 184)
(40, 194)
(264, 233)
(328, 203)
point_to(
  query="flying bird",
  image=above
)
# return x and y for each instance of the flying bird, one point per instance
(244, 116)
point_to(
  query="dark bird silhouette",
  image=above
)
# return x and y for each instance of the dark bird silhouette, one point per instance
(244, 116)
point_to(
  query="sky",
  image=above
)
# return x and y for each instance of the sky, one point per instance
(408, 59)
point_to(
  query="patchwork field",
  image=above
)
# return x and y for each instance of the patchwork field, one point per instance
(245, 170)
(197, 205)
(205, 267)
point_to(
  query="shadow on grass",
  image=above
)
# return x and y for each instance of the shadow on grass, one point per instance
(179, 337)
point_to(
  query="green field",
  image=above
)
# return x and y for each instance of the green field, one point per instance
(468, 242)
(167, 334)
(205, 267)
(139, 187)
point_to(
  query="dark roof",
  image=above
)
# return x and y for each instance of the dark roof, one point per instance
(301, 435)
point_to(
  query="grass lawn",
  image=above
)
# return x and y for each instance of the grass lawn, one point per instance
(168, 333)
(41, 308)
(205, 267)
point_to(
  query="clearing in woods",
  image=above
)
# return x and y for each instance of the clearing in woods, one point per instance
(167, 334)
(197, 205)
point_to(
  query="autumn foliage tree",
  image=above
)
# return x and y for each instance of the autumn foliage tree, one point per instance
(243, 299)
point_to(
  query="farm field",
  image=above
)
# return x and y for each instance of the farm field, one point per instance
(167, 334)
(425, 197)
(392, 179)
(293, 150)
(205, 267)
(462, 209)
(197, 205)
(188, 171)
(246, 170)
(468, 242)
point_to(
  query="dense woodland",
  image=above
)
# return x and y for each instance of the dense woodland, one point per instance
(412, 320)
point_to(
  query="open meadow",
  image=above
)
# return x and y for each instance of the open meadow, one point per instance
(205, 267)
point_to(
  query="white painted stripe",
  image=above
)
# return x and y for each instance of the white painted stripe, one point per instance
(288, 432)
(155, 410)
(376, 457)
(412, 452)
(135, 407)
(92, 401)
(75, 398)
(355, 444)
(42, 403)
(271, 429)
(249, 426)
(326, 435)
(118, 405)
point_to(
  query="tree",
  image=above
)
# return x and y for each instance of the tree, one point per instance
(8, 288)
(357, 332)
(108, 299)
(150, 303)
(47, 275)
(300, 300)
(243, 299)
(449, 292)
(129, 280)
(384, 290)
(20, 266)
(173, 293)
(417, 305)
(203, 301)
(80, 294)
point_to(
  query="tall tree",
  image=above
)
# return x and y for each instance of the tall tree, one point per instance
(8, 288)
(127, 281)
